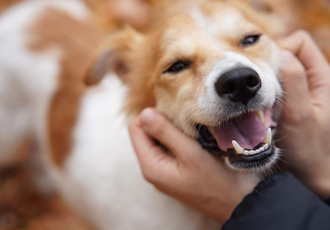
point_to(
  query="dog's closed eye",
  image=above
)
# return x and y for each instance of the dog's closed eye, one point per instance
(178, 67)
(250, 40)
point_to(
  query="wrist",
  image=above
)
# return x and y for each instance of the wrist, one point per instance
(221, 209)
(236, 196)
(321, 187)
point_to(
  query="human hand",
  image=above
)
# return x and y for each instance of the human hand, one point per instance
(191, 174)
(304, 129)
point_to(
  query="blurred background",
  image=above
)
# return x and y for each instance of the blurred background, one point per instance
(23, 205)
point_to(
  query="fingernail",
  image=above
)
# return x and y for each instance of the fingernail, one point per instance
(286, 56)
(147, 116)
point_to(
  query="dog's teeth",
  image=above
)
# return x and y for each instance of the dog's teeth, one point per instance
(237, 147)
(260, 114)
(253, 152)
(268, 138)
(266, 146)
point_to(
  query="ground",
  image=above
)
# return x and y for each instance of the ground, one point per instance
(23, 207)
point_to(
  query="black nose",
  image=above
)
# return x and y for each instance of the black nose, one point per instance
(239, 85)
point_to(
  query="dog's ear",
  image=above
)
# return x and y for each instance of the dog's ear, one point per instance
(115, 55)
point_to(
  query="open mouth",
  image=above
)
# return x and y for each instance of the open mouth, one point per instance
(246, 140)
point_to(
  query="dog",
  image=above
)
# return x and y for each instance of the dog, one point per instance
(210, 67)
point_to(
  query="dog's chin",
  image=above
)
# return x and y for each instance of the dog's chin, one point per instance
(256, 157)
(258, 162)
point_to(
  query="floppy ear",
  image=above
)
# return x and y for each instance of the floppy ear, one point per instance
(115, 55)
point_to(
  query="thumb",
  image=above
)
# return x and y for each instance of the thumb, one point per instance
(161, 129)
(155, 162)
(317, 68)
(296, 92)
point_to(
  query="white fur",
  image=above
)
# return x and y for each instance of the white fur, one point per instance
(228, 22)
(26, 79)
(198, 16)
(102, 177)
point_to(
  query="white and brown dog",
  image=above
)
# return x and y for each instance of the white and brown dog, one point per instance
(211, 68)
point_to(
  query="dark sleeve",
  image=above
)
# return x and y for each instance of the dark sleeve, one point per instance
(280, 202)
(328, 201)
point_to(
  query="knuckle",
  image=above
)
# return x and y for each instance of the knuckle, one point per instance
(303, 34)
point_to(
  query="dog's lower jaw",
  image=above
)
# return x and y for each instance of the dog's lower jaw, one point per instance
(259, 162)
(260, 171)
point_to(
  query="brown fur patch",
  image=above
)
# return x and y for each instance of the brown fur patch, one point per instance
(6, 4)
(141, 79)
(77, 40)
(113, 14)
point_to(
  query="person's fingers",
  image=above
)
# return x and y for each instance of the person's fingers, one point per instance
(155, 162)
(161, 129)
(302, 45)
(295, 86)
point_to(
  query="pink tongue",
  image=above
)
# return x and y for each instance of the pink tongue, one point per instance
(247, 130)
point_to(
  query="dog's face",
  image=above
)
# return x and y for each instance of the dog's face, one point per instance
(212, 71)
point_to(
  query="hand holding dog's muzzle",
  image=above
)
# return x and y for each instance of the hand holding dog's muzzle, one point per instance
(190, 173)
(304, 130)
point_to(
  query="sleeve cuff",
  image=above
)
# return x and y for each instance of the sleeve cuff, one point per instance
(328, 201)
(280, 202)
